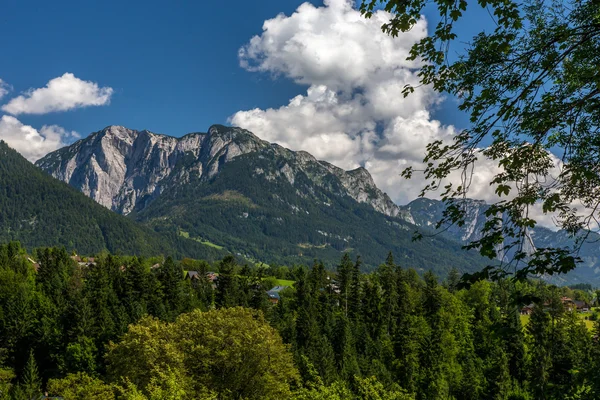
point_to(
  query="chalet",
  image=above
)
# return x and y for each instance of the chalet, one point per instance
(582, 306)
(273, 294)
(46, 397)
(568, 303)
(84, 262)
(192, 275)
(212, 276)
(527, 310)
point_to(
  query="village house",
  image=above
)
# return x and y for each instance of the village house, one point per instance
(527, 310)
(273, 294)
(568, 303)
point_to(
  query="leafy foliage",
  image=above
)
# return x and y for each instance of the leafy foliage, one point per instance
(531, 87)
(127, 328)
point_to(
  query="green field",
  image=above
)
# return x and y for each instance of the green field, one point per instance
(204, 242)
(284, 282)
(589, 324)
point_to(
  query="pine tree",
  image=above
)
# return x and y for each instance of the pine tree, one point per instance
(354, 297)
(225, 295)
(388, 279)
(170, 276)
(31, 383)
(453, 280)
(538, 329)
(344, 277)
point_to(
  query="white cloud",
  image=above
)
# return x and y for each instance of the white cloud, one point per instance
(30, 142)
(60, 94)
(353, 112)
(5, 88)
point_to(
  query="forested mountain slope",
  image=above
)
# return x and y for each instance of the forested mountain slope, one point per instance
(227, 188)
(38, 210)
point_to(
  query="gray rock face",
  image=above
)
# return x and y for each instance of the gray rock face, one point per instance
(125, 169)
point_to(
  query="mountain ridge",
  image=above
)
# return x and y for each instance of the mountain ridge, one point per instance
(83, 164)
(259, 200)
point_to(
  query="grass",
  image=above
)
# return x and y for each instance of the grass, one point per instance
(204, 242)
(284, 282)
(524, 320)
(231, 196)
(589, 324)
(312, 246)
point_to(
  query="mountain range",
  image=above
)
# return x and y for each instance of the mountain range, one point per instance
(227, 191)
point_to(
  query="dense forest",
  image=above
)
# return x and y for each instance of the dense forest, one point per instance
(253, 216)
(38, 210)
(117, 327)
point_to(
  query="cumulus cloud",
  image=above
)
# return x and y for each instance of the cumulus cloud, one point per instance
(60, 94)
(30, 142)
(353, 112)
(5, 88)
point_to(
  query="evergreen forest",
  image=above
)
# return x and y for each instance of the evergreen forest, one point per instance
(121, 327)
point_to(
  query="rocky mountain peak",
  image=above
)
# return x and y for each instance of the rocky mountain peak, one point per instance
(125, 169)
(120, 133)
(362, 174)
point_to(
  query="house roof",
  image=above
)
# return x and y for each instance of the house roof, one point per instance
(193, 275)
(274, 292)
(278, 288)
(273, 295)
(581, 304)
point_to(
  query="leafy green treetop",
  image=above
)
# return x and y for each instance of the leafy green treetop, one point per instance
(531, 86)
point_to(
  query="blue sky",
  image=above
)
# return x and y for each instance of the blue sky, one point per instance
(173, 69)
(324, 80)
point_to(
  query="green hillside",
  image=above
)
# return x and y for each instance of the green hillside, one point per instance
(273, 221)
(38, 210)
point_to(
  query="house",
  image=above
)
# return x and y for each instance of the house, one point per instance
(195, 276)
(273, 294)
(212, 276)
(46, 397)
(192, 275)
(84, 262)
(36, 265)
(582, 306)
(527, 310)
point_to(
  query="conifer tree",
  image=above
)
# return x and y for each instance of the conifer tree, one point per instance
(354, 298)
(225, 295)
(31, 383)
(344, 278)
(170, 276)
(538, 329)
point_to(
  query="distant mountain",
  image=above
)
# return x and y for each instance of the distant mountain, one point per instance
(125, 169)
(38, 210)
(425, 213)
(227, 188)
